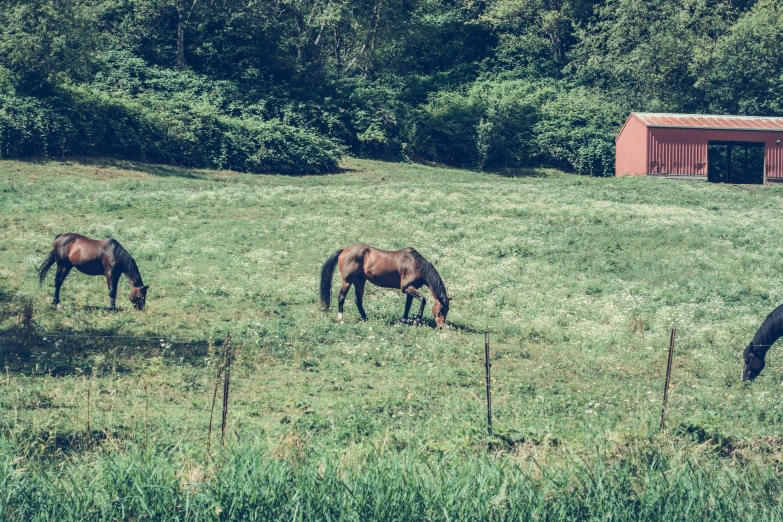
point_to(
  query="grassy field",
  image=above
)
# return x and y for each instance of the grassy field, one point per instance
(578, 280)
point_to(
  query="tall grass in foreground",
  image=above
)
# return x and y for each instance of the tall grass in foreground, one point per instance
(250, 483)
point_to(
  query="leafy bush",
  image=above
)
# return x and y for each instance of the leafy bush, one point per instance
(577, 130)
(448, 129)
(515, 123)
(31, 127)
(86, 122)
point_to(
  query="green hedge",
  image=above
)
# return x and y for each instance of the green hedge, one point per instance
(517, 123)
(85, 122)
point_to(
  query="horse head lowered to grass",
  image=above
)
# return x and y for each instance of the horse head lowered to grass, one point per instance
(770, 331)
(94, 257)
(405, 269)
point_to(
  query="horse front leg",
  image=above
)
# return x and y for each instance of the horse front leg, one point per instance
(111, 281)
(408, 301)
(411, 291)
(421, 310)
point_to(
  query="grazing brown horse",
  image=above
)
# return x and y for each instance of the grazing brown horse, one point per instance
(94, 257)
(404, 269)
(755, 353)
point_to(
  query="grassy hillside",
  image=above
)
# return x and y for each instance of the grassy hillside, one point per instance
(578, 281)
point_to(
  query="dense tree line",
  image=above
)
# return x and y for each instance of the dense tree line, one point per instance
(290, 85)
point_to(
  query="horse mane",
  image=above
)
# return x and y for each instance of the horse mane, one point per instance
(431, 276)
(770, 330)
(126, 262)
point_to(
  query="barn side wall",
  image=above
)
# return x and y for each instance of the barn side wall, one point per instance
(683, 152)
(631, 149)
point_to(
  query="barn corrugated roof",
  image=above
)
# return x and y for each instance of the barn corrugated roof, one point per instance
(704, 121)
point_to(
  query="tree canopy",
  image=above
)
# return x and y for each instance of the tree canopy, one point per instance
(291, 85)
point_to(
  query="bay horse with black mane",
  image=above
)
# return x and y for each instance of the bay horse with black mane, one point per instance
(405, 269)
(94, 257)
(770, 331)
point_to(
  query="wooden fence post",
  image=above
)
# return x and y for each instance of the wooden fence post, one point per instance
(668, 378)
(487, 366)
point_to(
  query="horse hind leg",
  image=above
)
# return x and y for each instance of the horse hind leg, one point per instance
(358, 288)
(59, 278)
(341, 299)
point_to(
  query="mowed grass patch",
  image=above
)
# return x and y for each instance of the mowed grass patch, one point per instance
(578, 280)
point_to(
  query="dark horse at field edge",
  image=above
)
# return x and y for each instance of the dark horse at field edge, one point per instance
(94, 257)
(405, 269)
(770, 331)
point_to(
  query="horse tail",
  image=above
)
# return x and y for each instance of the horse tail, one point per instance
(44, 268)
(326, 279)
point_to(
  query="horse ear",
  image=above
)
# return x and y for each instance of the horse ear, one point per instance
(451, 297)
(145, 287)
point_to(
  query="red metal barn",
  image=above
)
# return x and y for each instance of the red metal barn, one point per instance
(723, 149)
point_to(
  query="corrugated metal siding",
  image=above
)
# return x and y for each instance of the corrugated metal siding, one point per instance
(683, 152)
(773, 159)
(677, 153)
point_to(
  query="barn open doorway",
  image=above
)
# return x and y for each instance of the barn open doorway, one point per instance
(735, 162)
